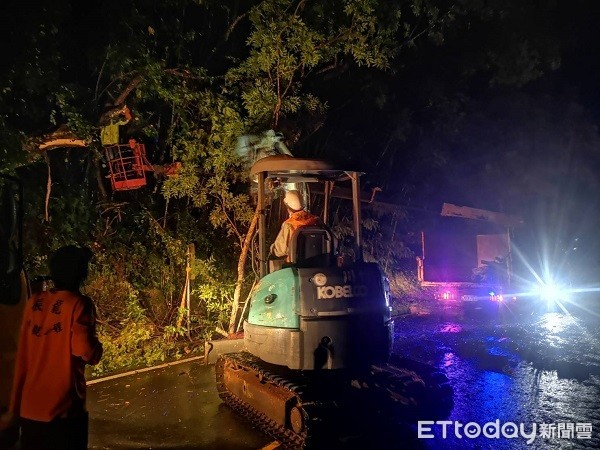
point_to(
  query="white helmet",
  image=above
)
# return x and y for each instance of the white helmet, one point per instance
(293, 200)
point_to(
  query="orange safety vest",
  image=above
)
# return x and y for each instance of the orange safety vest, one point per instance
(57, 340)
(297, 220)
(302, 219)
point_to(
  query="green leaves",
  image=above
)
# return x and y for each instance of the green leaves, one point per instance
(294, 41)
(197, 74)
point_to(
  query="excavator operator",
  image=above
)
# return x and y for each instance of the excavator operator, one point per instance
(298, 217)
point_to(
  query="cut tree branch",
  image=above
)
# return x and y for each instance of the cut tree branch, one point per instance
(234, 24)
(48, 189)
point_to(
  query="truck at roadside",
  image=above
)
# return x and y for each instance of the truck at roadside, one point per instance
(466, 256)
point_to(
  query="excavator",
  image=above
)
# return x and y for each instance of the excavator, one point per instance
(316, 353)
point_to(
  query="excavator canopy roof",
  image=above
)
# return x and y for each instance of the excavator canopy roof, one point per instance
(298, 169)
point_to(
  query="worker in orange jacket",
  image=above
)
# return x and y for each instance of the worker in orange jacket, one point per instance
(58, 338)
(298, 217)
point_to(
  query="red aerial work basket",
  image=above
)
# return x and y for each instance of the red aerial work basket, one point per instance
(127, 165)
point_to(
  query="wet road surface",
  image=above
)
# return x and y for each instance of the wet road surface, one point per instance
(175, 407)
(519, 365)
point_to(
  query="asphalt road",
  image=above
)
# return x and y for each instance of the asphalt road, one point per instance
(522, 365)
(175, 407)
(512, 365)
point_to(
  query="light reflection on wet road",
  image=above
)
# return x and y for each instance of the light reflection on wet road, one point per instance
(523, 367)
(515, 367)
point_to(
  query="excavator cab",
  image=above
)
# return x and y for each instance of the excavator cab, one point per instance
(317, 311)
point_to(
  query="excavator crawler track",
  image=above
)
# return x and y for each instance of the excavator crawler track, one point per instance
(305, 409)
(230, 364)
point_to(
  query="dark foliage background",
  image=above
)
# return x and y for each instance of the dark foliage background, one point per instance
(493, 105)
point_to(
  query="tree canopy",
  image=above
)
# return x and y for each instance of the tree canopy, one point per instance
(472, 102)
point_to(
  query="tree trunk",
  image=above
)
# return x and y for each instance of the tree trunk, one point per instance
(241, 272)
